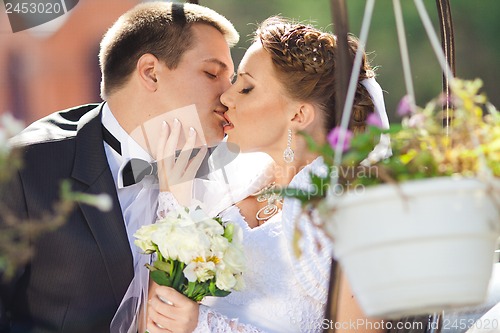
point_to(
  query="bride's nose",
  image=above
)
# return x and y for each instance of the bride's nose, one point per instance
(227, 99)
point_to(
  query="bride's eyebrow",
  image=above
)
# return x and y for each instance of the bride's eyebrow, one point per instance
(245, 73)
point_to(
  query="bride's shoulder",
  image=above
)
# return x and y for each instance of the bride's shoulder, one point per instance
(302, 179)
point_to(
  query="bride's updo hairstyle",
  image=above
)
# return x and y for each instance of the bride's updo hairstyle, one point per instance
(304, 61)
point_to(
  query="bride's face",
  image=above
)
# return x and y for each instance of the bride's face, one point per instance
(258, 109)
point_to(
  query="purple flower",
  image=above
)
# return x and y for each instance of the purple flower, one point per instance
(334, 137)
(374, 120)
(404, 106)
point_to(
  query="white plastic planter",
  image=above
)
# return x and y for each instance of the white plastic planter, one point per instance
(419, 247)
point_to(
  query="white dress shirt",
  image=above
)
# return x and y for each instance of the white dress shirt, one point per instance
(138, 202)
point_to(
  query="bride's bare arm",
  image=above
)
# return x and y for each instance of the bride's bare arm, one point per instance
(350, 314)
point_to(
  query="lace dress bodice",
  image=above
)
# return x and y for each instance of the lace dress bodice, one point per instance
(283, 293)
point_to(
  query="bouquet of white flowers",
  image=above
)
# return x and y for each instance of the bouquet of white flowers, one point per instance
(195, 254)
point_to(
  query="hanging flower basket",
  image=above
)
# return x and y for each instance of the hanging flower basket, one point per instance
(419, 247)
(416, 232)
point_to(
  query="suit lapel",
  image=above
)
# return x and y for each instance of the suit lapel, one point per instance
(92, 170)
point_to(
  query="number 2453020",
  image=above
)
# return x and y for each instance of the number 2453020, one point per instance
(468, 323)
(33, 8)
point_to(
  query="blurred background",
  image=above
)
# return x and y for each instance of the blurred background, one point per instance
(55, 66)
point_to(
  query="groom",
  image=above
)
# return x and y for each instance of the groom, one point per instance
(156, 58)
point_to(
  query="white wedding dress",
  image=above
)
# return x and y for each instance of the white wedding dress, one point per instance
(283, 293)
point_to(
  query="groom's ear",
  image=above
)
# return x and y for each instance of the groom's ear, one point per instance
(148, 67)
(303, 116)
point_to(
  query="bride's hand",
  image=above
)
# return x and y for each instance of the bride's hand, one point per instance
(176, 174)
(170, 311)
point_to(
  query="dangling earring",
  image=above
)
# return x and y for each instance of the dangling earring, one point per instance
(288, 154)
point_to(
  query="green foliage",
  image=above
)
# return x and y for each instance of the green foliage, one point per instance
(421, 148)
(168, 272)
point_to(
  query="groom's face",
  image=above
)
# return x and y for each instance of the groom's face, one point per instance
(202, 75)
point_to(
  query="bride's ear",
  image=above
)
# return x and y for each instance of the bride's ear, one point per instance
(303, 116)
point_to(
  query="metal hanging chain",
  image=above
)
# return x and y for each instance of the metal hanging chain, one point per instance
(340, 14)
(448, 45)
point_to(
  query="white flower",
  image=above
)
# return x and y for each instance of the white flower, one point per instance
(181, 240)
(225, 279)
(197, 214)
(211, 227)
(219, 245)
(234, 258)
(209, 250)
(240, 282)
(199, 271)
(143, 236)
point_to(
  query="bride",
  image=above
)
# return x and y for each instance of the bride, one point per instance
(285, 84)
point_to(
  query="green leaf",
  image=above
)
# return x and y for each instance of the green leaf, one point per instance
(320, 184)
(161, 278)
(178, 275)
(228, 232)
(220, 293)
(394, 129)
(161, 265)
(189, 292)
(353, 157)
(151, 268)
(212, 287)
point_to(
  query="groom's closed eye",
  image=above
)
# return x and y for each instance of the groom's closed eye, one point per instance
(211, 75)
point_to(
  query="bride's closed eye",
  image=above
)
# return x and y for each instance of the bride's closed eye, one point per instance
(245, 90)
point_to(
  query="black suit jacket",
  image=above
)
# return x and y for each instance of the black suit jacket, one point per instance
(80, 272)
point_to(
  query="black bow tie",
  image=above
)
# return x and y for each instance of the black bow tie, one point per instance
(134, 170)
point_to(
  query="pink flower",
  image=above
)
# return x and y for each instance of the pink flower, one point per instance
(334, 137)
(374, 120)
(416, 121)
(447, 100)
(404, 106)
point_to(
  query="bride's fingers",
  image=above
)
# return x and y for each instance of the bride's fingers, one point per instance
(195, 163)
(171, 144)
(160, 156)
(183, 158)
(162, 141)
(152, 327)
(160, 315)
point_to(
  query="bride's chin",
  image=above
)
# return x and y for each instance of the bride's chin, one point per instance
(230, 138)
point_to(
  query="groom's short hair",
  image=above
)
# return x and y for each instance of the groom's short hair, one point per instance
(159, 28)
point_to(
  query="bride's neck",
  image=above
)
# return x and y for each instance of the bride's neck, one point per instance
(284, 172)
